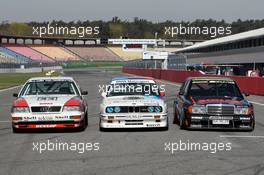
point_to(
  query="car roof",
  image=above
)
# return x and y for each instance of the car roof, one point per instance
(211, 79)
(51, 79)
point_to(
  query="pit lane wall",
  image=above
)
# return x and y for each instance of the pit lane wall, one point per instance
(250, 85)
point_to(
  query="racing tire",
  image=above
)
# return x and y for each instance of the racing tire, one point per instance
(166, 128)
(253, 127)
(175, 117)
(182, 123)
(102, 129)
(82, 127)
(250, 130)
(15, 130)
(86, 119)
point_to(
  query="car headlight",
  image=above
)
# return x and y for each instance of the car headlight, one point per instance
(158, 109)
(109, 109)
(197, 109)
(154, 109)
(117, 109)
(71, 108)
(20, 110)
(243, 110)
(151, 109)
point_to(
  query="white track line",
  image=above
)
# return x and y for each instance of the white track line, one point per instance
(5, 121)
(256, 103)
(7, 89)
(235, 136)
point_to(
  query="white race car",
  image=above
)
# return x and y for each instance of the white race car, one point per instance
(133, 102)
(49, 102)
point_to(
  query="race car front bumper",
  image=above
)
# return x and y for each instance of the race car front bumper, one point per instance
(41, 121)
(243, 122)
(47, 124)
(133, 120)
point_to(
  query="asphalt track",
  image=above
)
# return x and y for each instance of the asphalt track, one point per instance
(128, 152)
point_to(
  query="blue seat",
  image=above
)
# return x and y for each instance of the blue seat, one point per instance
(17, 56)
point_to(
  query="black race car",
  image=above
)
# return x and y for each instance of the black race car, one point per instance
(212, 103)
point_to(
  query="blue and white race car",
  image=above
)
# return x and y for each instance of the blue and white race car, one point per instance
(133, 102)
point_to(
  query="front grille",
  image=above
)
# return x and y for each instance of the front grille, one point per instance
(137, 109)
(220, 109)
(133, 120)
(45, 109)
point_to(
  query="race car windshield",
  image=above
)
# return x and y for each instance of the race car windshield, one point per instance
(212, 90)
(49, 87)
(124, 89)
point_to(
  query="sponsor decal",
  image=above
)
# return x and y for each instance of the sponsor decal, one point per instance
(153, 125)
(47, 98)
(46, 126)
(44, 118)
(30, 118)
(61, 117)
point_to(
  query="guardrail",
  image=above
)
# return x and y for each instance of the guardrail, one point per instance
(30, 70)
(250, 85)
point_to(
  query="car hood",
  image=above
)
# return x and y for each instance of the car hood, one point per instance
(47, 100)
(134, 101)
(236, 102)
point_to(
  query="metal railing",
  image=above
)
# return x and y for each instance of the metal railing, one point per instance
(177, 62)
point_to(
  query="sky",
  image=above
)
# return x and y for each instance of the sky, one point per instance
(153, 10)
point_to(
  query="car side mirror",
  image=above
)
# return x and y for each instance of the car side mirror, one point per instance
(103, 94)
(246, 94)
(15, 95)
(162, 93)
(84, 92)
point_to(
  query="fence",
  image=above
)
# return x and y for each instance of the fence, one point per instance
(250, 85)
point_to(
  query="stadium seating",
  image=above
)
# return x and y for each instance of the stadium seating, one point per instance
(166, 49)
(18, 57)
(126, 55)
(30, 53)
(95, 53)
(7, 59)
(55, 52)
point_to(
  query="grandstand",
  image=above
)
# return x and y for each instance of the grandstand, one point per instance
(55, 52)
(166, 49)
(126, 55)
(14, 55)
(243, 48)
(7, 59)
(94, 53)
(29, 53)
(28, 49)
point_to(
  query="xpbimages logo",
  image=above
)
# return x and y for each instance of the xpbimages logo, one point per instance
(213, 147)
(212, 31)
(146, 89)
(65, 30)
(56, 145)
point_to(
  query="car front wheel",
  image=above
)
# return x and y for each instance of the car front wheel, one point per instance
(15, 130)
(182, 122)
(175, 116)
